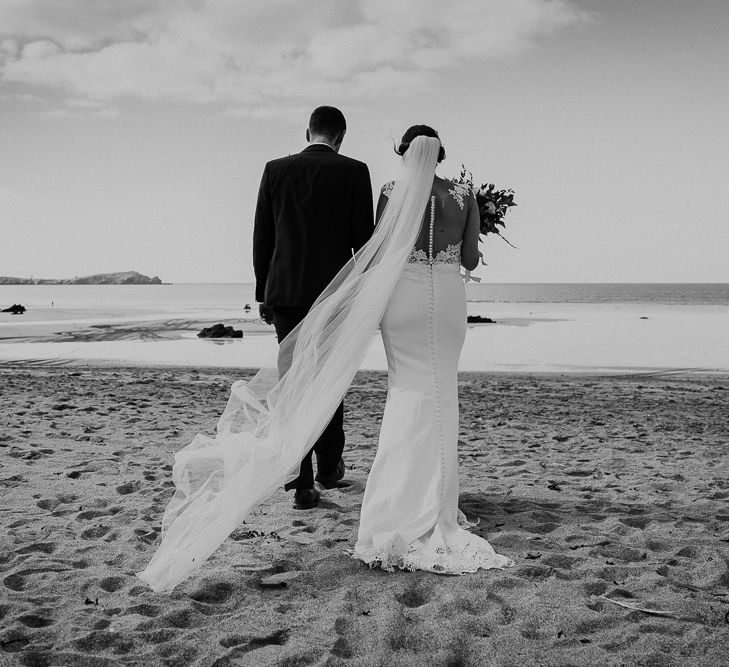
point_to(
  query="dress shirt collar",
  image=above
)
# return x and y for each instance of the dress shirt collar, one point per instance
(318, 146)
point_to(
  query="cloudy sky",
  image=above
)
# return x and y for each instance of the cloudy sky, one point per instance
(134, 132)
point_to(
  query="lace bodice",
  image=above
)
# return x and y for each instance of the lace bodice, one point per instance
(452, 252)
(459, 192)
(451, 255)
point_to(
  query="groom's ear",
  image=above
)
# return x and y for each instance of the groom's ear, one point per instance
(308, 135)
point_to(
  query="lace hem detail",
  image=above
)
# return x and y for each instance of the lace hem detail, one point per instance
(451, 255)
(472, 554)
(467, 559)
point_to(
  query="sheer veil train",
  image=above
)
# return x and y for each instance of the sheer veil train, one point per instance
(270, 423)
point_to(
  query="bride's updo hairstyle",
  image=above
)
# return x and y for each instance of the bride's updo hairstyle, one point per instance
(419, 131)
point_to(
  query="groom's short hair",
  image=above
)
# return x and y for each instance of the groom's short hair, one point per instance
(328, 122)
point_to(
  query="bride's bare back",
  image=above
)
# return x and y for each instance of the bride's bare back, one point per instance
(456, 221)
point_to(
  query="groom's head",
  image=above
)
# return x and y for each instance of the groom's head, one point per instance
(327, 125)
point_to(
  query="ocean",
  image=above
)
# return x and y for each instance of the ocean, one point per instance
(568, 327)
(201, 297)
(674, 294)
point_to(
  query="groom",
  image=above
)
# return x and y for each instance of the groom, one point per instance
(314, 210)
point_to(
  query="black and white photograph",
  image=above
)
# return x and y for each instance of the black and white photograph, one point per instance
(364, 333)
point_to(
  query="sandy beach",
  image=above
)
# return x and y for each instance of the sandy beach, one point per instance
(611, 493)
(171, 167)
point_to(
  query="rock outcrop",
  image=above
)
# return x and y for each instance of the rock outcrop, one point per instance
(120, 278)
(220, 331)
(15, 309)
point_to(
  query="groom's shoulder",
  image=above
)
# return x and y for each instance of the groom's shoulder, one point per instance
(315, 156)
(280, 162)
(305, 160)
(358, 164)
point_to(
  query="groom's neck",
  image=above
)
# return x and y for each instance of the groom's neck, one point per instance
(320, 139)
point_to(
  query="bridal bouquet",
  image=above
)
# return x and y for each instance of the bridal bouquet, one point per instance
(493, 204)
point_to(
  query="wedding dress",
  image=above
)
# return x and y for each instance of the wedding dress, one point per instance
(410, 513)
(272, 421)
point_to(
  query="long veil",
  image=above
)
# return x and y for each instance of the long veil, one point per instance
(271, 422)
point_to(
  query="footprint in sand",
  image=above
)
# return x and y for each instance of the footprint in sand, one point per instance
(414, 597)
(146, 536)
(542, 528)
(103, 641)
(14, 641)
(302, 535)
(241, 645)
(48, 503)
(94, 514)
(52, 503)
(29, 456)
(595, 587)
(342, 647)
(179, 618)
(213, 592)
(42, 547)
(148, 610)
(111, 584)
(508, 614)
(35, 620)
(636, 521)
(62, 512)
(95, 533)
(128, 487)
(17, 581)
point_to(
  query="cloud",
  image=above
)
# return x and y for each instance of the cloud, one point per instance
(256, 55)
(10, 196)
(107, 112)
(25, 97)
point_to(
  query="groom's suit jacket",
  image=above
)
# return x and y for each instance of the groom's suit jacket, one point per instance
(314, 209)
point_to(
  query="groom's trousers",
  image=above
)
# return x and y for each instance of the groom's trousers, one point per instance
(330, 445)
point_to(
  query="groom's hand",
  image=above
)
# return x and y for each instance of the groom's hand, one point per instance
(266, 313)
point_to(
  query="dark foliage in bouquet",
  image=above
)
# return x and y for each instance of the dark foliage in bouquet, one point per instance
(493, 204)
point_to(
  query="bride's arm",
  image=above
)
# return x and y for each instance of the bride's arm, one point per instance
(385, 191)
(469, 249)
(381, 203)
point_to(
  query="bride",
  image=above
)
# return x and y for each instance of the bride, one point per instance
(409, 513)
(406, 278)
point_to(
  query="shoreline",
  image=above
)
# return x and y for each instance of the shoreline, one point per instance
(571, 340)
(619, 373)
(526, 337)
